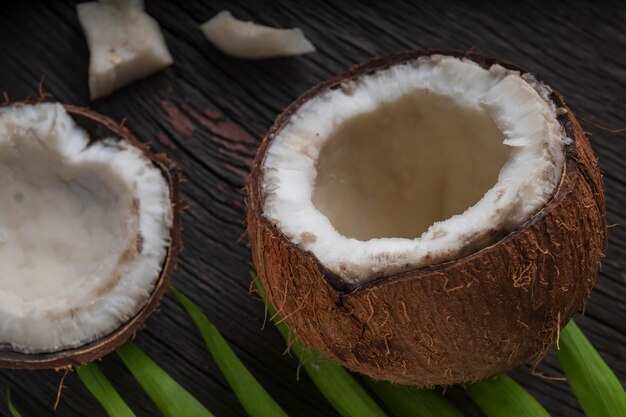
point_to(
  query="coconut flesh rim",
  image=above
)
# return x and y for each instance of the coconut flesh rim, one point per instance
(84, 230)
(420, 163)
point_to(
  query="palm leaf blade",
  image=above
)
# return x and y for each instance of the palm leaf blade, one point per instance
(171, 399)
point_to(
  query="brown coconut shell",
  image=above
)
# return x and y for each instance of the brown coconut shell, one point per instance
(99, 127)
(456, 321)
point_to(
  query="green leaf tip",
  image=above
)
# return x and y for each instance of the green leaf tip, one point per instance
(12, 409)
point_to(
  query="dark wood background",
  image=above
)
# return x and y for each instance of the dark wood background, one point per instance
(207, 112)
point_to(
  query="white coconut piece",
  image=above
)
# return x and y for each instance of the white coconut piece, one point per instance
(413, 165)
(124, 42)
(249, 40)
(83, 233)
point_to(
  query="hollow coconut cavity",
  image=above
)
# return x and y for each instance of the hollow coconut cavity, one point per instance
(427, 218)
(416, 164)
(84, 233)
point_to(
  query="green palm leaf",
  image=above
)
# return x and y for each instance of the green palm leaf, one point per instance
(253, 397)
(105, 393)
(410, 402)
(171, 399)
(12, 409)
(503, 397)
(598, 390)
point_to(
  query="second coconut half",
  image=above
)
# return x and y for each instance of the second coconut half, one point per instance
(427, 218)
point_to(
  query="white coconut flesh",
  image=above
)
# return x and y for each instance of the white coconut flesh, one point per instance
(125, 44)
(84, 230)
(250, 40)
(420, 163)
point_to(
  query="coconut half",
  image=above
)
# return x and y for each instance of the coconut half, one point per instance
(427, 218)
(88, 234)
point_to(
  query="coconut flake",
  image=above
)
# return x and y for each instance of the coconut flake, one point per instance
(249, 40)
(125, 44)
(84, 230)
(499, 118)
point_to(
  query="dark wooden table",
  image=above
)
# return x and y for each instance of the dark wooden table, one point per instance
(207, 112)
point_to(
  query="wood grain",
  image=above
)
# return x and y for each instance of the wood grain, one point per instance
(207, 112)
